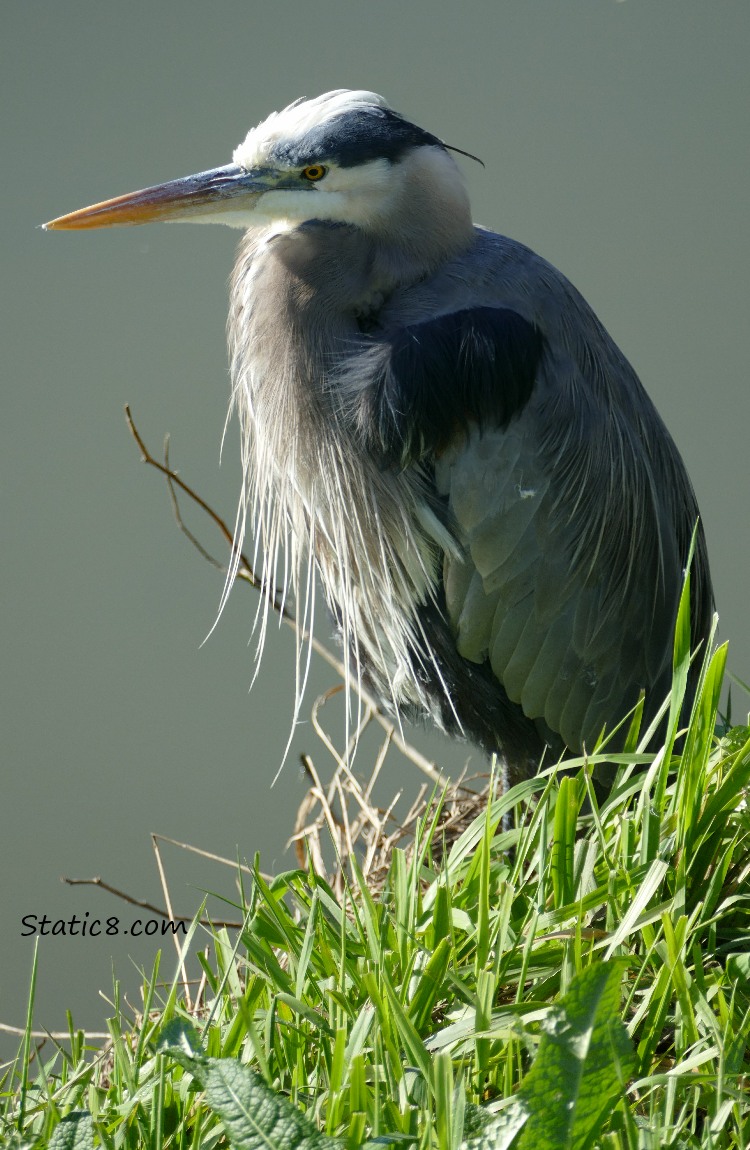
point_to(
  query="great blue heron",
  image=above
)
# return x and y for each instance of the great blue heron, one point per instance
(435, 422)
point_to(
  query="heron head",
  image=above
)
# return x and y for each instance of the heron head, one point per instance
(344, 157)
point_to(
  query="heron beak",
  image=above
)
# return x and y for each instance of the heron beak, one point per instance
(222, 195)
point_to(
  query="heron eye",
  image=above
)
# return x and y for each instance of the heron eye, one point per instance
(314, 172)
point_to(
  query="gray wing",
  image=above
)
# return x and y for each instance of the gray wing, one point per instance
(573, 553)
(564, 488)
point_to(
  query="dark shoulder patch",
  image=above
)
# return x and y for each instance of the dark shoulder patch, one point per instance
(354, 137)
(471, 366)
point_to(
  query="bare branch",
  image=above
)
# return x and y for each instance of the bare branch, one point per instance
(178, 515)
(174, 480)
(141, 903)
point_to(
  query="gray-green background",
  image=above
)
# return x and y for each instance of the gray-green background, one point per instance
(616, 143)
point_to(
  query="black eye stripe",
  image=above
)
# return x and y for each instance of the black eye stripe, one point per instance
(354, 137)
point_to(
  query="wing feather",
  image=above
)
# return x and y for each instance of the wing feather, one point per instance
(578, 574)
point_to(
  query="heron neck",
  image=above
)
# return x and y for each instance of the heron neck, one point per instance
(335, 271)
(298, 297)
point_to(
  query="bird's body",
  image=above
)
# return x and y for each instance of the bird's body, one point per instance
(435, 422)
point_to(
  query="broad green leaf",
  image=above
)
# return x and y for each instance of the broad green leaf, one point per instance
(74, 1132)
(584, 1055)
(502, 1132)
(477, 1120)
(181, 1035)
(254, 1116)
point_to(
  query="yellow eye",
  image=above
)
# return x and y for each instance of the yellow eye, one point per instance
(314, 172)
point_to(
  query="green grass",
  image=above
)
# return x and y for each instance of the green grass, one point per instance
(561, 974)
